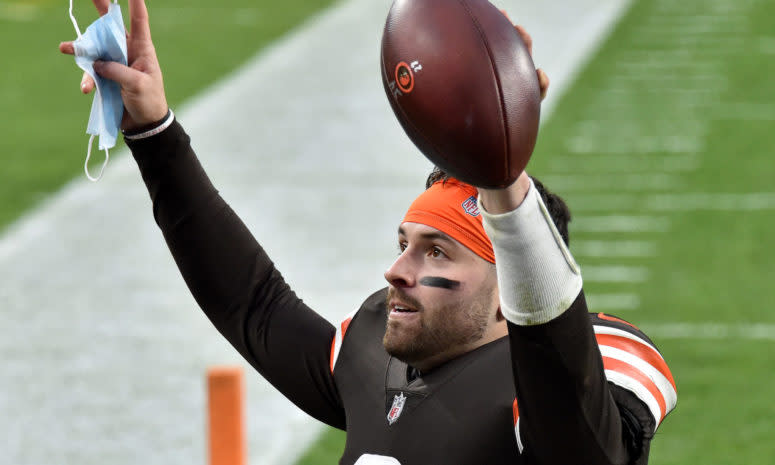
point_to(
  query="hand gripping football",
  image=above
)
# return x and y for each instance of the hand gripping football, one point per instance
(463, 86)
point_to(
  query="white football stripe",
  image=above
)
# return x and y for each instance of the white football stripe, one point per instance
(663, 384)
(637, 388)
(599, 329)
(519, 438)
(337, 348)
(339, 337)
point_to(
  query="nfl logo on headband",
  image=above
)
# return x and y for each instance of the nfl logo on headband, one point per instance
(470, 206)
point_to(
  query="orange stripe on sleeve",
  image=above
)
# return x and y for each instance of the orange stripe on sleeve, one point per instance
(333, 356)
(515, 411)
(641, 350)
(603, 316)
(345, 325)
(636, 374)
(336, 343)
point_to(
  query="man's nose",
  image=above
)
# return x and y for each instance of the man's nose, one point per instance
(401, 273)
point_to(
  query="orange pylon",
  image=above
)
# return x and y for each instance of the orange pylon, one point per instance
(226, 396)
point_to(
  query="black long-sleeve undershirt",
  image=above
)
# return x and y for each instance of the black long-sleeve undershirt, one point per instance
(234, 281)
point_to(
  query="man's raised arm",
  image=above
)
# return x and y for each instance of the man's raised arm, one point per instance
(228, 272)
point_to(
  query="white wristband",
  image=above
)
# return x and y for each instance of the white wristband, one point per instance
(538, 278)
(152, 132)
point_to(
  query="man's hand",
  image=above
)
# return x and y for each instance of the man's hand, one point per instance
(142, 87)
(543, 79)
(497, 201)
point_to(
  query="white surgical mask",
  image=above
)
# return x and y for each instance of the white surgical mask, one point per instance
(104, 39)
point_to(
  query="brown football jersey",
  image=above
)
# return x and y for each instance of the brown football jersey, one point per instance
(466, 410)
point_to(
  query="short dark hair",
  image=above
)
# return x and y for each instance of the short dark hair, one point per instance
(557, 207)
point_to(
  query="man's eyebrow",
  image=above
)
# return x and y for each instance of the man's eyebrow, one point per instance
(429, 236)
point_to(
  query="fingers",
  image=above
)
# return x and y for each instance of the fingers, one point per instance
(543, 82)
(67, 48)
(522, 33)
(101, 5)
(87, 83)
(525, 38)
(139, 28)
(543, 79)
(124, 75)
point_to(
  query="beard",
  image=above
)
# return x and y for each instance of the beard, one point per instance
(437, 330)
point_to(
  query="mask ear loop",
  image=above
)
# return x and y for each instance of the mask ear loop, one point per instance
(91, 139)
(86, 163)
(72, 18)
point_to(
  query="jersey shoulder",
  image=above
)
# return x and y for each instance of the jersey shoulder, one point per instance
(641, 380)
(373, 308)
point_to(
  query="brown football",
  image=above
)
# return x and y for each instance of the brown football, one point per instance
(463, 86)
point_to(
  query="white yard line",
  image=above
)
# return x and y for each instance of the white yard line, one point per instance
(602, 182)
(18, 12)
(711, 331)
(710, 201)
(612, 303)
(613, 249)
(623, 163)
(105, 350)
(620, 224)
(614, 274)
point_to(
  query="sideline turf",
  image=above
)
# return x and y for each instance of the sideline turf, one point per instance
(680, 96)
(44, 116)
(687, 80)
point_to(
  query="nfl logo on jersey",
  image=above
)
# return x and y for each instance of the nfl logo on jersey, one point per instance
(470, 206)
(395, 411)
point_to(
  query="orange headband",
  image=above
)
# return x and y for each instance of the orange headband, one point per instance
(450, 206)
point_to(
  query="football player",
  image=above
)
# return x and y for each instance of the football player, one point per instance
(480, 349)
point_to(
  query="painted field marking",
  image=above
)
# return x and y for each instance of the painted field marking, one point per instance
(614, 274)
(620, 224)
(712, 331)
(658, 66)
(617, 90)
(612, 302)
(637, 143)
(19, 12)
(665, 202)
(635, 164)
(767, 45)
(678, 20)
(603, 182)
(716, 81)
(687, 31)
(745, 112)
(613, 249)
(601, 203)
(714, 202)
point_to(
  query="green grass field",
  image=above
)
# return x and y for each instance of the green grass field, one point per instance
(661, 148)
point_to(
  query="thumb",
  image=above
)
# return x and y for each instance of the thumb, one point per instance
(122, 74)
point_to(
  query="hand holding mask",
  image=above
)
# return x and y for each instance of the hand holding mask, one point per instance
(130, 91)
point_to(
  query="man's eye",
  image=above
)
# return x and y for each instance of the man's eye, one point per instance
(401, 247)
(436, 252)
